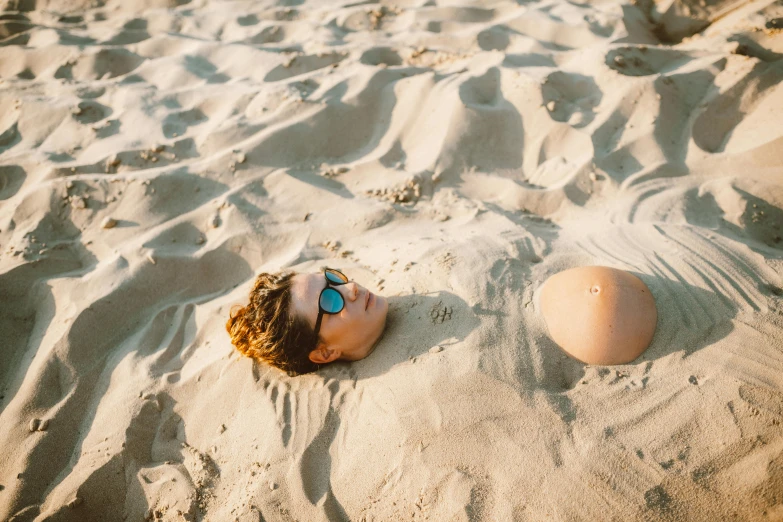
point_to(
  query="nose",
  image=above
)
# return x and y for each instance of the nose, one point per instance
(352, 290)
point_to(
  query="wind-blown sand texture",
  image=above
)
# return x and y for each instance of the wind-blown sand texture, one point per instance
(155, 155)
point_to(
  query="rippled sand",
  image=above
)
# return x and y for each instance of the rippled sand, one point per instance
(155, 155)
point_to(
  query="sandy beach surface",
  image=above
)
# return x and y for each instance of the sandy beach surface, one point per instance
(156, 154)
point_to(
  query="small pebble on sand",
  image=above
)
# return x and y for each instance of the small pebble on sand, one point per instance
(551, 106)
(44, 425)
(436, 349)
(34, 424)
(108, 222)
(75, 502)
(151, 259)
(272, 486)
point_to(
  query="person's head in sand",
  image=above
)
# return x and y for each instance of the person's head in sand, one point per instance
(297, 321)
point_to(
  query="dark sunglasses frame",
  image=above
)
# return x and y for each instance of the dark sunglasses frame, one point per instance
(329, 285)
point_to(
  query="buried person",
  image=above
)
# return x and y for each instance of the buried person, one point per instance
(297, 322)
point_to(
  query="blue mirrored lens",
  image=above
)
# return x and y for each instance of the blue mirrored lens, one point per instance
(331, 300)
(336, 278)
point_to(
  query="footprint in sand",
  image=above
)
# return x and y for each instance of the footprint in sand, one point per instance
(269, 34)
(177, 124)
(105, 64)
(10, 137)
(90, 112)
(302, 65)
(381, 55)
(747, 98)
(246, 20)
(133, 31)
(496, 38)
(11, 179)
(571, 97)
(644, 61)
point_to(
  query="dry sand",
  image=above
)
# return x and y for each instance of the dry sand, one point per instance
(155, 155)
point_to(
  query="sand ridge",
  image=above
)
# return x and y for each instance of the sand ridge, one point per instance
(156, 154)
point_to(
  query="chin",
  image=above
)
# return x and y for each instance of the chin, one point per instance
(384, 303)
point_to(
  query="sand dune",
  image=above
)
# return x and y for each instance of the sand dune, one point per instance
(156, 154)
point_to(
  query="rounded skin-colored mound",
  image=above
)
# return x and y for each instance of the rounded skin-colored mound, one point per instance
(599, 315)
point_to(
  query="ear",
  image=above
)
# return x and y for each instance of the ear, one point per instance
(323, 354)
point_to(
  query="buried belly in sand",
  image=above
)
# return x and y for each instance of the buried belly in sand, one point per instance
(599, 315)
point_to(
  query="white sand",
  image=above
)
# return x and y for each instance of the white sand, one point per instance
(459, 153)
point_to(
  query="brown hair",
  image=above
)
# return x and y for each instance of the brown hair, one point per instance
(268, 330)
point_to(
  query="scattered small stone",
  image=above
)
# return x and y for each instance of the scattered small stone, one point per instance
(332, 246)
(619, 60)
(215, 221)
(693, 380)
(34, 424)
(418, 52)
(44, 425)
(272, 486)
(108, 222)
(75, 502)
(113, 163)
(69, 184)
(158, 148)
(241, 157)
(222, 428)
(201, 240)
(151, 258)
(551, 106)
(307, 216)
(335, 171)
(436, 349)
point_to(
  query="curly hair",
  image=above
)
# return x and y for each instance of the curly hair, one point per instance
(268, 330)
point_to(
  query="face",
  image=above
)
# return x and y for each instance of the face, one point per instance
(352, 333)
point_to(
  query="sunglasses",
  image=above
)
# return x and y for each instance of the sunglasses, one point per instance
(330, 301)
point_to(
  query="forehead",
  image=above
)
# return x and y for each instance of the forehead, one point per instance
(305, 290)
(311, 284)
